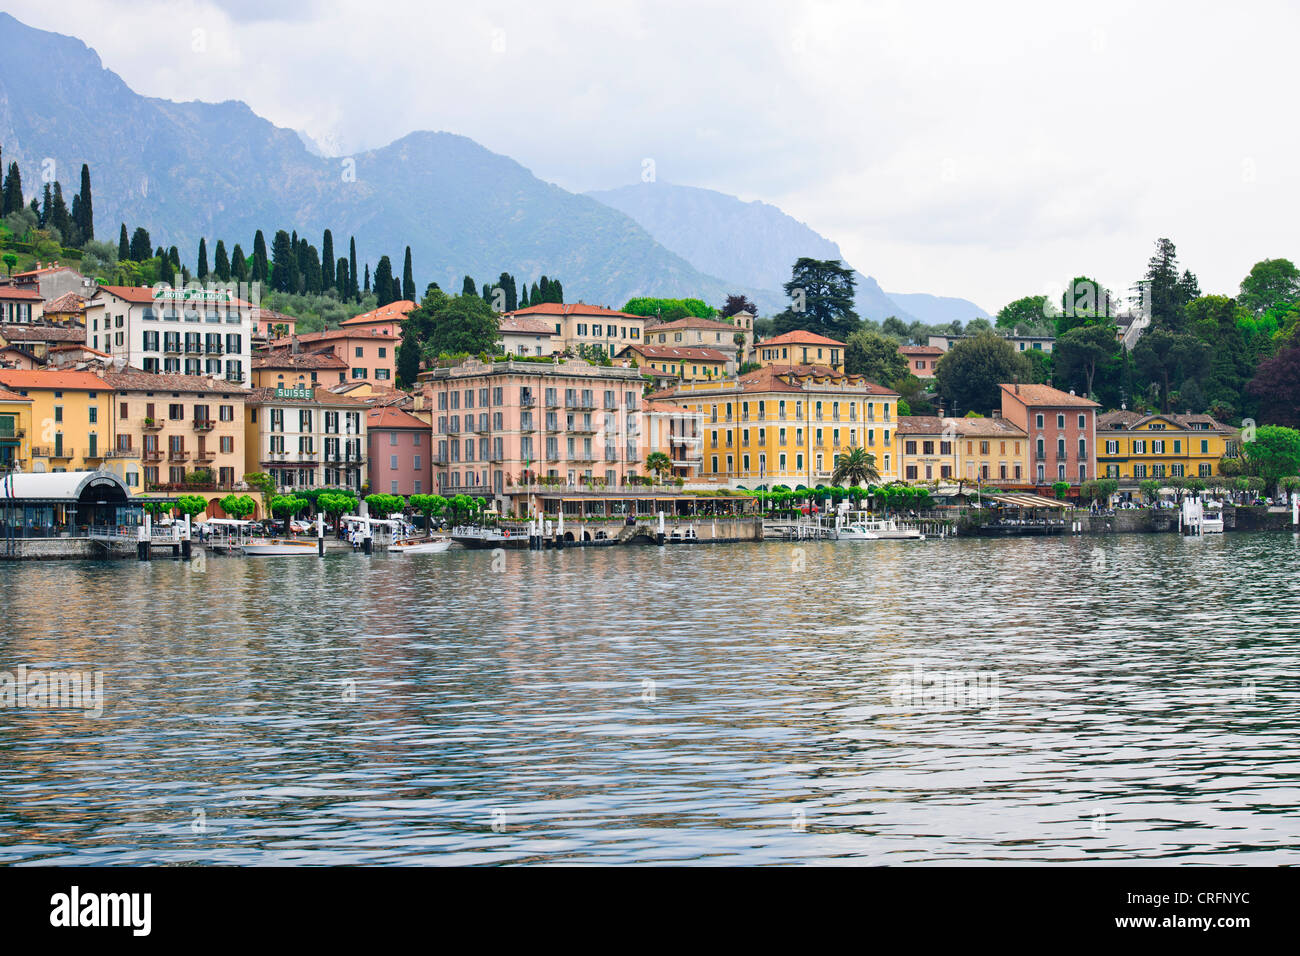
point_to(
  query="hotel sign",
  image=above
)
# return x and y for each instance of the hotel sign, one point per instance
(191, 295)
(294, 393)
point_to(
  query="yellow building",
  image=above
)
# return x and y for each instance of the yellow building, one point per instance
(71, 417)
(801, 348)
(1133, 447)
(669, 364)
(784, 426)
(174, 434)
(15, 431)
(970, 450)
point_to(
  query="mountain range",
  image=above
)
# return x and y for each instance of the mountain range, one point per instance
(218, 170)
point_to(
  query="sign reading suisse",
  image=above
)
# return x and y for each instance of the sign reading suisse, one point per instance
(293, 393)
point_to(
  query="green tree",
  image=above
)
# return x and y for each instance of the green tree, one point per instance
(263, 484)
(429, 505)
(658, 464)
(856, 466)
(201, 270)
(459, 324)
(221, 262)
(1275, 452)
(1163, 356)
(970, 372)
(1271, 283)
(327, 261)
(85, 207)
(191, 504)
(13, 190)
(238, 506)
(821, 299)
(283, 263)
(1168, 291)
(261, 267)
(874, 355)
(286, 506)
(385, 505)
(384, 282)
(352, 268)
(10, 261)
(123, 246)
(408, 279)
(141, 247)
(1031, 312)
(1081, 350)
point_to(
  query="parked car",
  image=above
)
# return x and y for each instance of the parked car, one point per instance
(299, 526)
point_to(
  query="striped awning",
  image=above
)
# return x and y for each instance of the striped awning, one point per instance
(1026, 501)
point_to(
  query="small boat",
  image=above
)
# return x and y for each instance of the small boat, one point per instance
(862, 527)
(1212, 522)
(421, 546)
(275, 547)
(857, 531)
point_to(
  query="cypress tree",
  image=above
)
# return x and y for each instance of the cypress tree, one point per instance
(384, 282)
(261, 269)
(523, 297)
(367, 290)
(140, 244)
(13, 193)
(123, 246)
(238, 264)
(342, 284)
(159, 254)
(45, 209)
(535, 297)
(35, 207)
(282, 279)
(408, 278)
(327, 261)
(174, 255)
(202, 269)
(352, 268)
(165, 271)
(85, 207)
(220, 263)
(311, 274)
(60, 219)
(557, 291)
(469, 287)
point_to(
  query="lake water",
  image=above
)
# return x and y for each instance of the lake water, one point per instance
(1126, 699)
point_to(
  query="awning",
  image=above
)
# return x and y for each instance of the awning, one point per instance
(1025, 501)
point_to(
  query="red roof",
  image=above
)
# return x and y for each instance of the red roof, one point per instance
(50, 378)
(393, 312)
(512, 323)
(920, 350)
(13, 292)
(695, 353)
(330, 334)
(389, 417)
(1047, 396)
(144, 295)
(800, 337)
(8, 396)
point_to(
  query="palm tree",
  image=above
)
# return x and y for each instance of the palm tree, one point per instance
(658, 464)
(855, 467)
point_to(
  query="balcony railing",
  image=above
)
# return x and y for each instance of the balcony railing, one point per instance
(122, 453)
(14, 433)
(152, 454)
(49, 451)
(152, 426)
(178, 454)
(204, 424)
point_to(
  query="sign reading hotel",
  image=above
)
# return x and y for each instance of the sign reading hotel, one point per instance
(294, 393)
(193, 295)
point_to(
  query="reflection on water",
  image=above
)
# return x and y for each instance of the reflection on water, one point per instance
(704, 703)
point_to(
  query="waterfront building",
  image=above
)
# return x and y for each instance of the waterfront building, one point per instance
(400, 452)
(173, 331)
(669, 364)
(521, 335)
(15, 431)
(589, 326)
(802, 348)
(306, 438)
(926, 448)
(508, 422)
(781, 425)
(694, 332)
(287, 368)
(973, 451)
(676, 431)
(922, 360)
(1133, 447)
(175, 433)
(369, 353)
(71, 417)
(1061, 429)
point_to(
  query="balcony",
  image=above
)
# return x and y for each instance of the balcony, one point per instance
(49, 451)
(178, 454)
(122, 453)
(527, 425)
(13, 433)
(205, 455)
(453, 429)
(528, 402)
(152, 454)
(552, 402)
(152, 426)
(582, 428)
(204, 424)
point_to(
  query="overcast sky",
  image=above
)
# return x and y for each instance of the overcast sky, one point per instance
(980, 150)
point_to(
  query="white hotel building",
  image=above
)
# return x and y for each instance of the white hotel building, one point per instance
(177, 331)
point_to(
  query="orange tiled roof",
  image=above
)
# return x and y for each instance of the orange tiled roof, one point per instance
(394, 311)
(1047, 396)
(800, 337)
(389, 417)
(144, 295)
(68, 302)
(522, 325)
(920, 350)
(52, 378)
(330, 335)
(25, 332)
(138, 380)
(693, 353)
(8, 396)
(284, 358)
(13, 292)
(691, 322)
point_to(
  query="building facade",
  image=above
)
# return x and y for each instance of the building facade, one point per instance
(922, 360)
(71, 424)
(1133, 447)
(1061, 428)
(669, 364)
(784, 426)
(586, 326)
(286, 368)
(693, 332)
(369, 353)
(176, 433)
(524, 336)
(173, 331)
(18, 304)
(506, 423)
(15, 431)
(306, 438)
(400, 452)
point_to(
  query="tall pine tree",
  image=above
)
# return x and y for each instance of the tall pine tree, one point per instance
(327, 261)
(140, 245)
(202, 268)
(46, 211)
(238, 264)
(408, 278)
(13, 192)
(469, 287)
(261, 267)
(123, 246)
(352, 269)
(60, 219)
(85, 207)
(342, 282)
(282, 256)
(384, 282)
(221, 263)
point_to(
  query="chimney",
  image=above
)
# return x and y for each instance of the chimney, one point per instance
(293, 344)
(1017, 388)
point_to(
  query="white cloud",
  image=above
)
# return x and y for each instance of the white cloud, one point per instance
(961, 149)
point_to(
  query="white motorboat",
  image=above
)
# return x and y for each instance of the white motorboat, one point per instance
(1212, 522)
(276, 547)
(421, 546)
(862, 527)
(856, 531)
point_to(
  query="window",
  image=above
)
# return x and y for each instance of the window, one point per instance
(1038, 420)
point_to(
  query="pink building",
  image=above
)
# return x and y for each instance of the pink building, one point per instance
(400, 459)
(922, 360)
(1062, 430)
(500, 424)
(371, 354)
